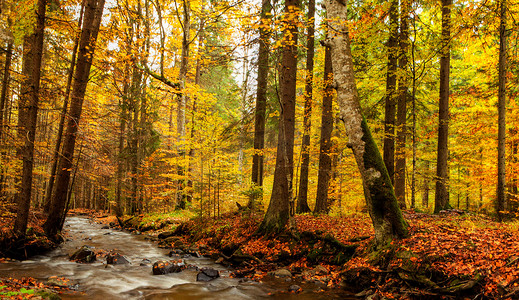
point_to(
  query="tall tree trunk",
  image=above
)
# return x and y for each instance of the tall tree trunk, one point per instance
(261, 101)
(322, 204)
(390, 106)
(403, 85)
(92, 21)
(279, 210)
(5, 85)
(386, 216)
(3, 109)
(441, 199)
(425, 195)
(56, 154)
(32, 82)
(182, 100)
(501, 107)
(302, 199)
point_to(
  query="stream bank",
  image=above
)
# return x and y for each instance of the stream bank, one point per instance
(451, 255)
(135, 280)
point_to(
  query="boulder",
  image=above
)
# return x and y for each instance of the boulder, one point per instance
(281, 273)
(320, 270)
(105, 227)
(294, 288)
(166, 267)
(85, 254)
(207, 274)
(114, 258)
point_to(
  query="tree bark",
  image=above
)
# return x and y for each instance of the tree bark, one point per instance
(501, 107)
(386, 216)
(425, 195)
(302, 199)
(403, 85)
(441, 199)
(32, 83)
(3, 108)
(92, 21)
(182, 100)
(279, 210)
(5, 85)
(322, 204)
(56, 155)
(390, 106)
(261, 100)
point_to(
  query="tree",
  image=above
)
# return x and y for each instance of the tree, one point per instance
(261, 99)
(501, 107)
(278, 212)
(441, 198)
(390, 97)
(322, 204)
(385, 214)
(302, 199)
(182, 97)
(57, 148)
(403, 85)
(92, 21)
(30, 92)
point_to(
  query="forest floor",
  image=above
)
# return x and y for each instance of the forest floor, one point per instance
(452, 255)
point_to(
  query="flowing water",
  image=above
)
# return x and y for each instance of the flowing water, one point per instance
(135, 281)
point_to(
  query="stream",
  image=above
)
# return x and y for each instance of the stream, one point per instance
(135, 281)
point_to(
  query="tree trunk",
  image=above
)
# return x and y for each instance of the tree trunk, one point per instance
(32, 83)
(5, 85)
(56, 154)
(403, 85)
(182, 100)
(92, 21)
(322, 205)
(425, 195)
(302, 199)
(501, 107)
(386, 216)
(261, 101)
(279, 210)
(390, 106)
(441, 199)
(3, 109)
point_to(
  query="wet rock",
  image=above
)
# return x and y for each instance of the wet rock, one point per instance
(105, 227)
(145, 262)
(166, 267)
(320, 270)
(294, 288)
(166, 234)
(193, 252)
(56, 281)
(207, 274)
(176, 256)
(175, 252)
(116, 259)
(107, 233)
(85, 254)
(281, 273)
(192, 267)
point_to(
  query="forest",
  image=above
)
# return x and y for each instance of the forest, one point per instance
(329, 148)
